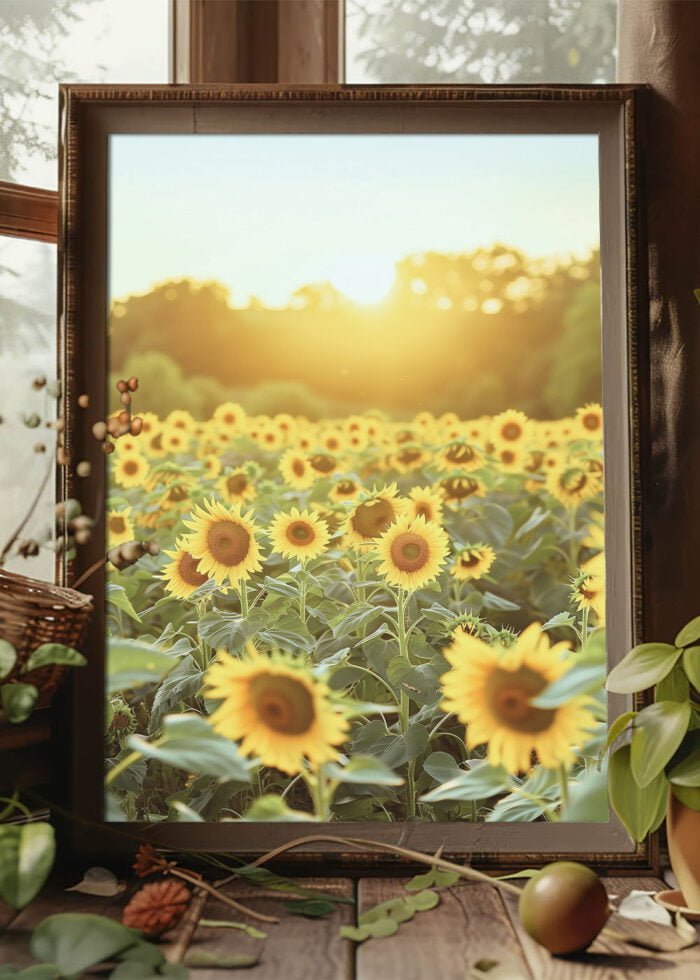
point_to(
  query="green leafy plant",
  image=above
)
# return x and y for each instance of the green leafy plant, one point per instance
(18, 699)
(657, 748)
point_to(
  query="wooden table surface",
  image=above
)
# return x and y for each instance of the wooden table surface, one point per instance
(473, 923)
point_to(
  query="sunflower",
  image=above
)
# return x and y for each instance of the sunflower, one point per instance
(491, 689)
(270, 438)
(410, 456)
(373, 515)
(277, 709)
(128, 444)
(425, 503)
(223, 540)
(331, 440)
(296, 470)
(473, 561)
(595, 534)
(150, 424)
(175, 440)
(211, 464)
(459, 455)
(412, 552)
(572, 484)
(299, 534)
(182, 574)
(179, 419)
(590, 421)
(153, 444)
(230, 416)
(236, 486)
(510, 428)
(344, 488)
(177, 493)
(119, 526)
(458, 488)
(510, 459)
(130, 469)
(588, 588)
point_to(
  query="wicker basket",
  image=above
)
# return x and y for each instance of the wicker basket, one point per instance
(32, 613)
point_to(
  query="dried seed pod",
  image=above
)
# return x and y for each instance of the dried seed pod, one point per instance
(60, 425)
(39, 382)
(68, 509)
(83, 401)
(113, 426)
(153, 547)
(32, 420)
(133, 383)
(99, 430)
(125, 398)
(62, 457)
(108, 447)
(82, 537)
(124, 418)
(39, 447)
(122, 386)
(81, 522)
(54, 389)
(28, 548)
(83, 468)
(136, 427)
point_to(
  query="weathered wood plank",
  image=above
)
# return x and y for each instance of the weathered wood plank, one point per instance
(607, 958)
(295, 949)
(469, 925)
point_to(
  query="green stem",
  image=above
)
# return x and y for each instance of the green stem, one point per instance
(302, 602)
(573, 543)
(404, 704)
(127, 761)
(243, 593)
(13, 803)
(564, 785)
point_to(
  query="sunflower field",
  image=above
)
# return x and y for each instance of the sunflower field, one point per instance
(356, 619)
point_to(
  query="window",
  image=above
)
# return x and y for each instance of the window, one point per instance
(43, 43)
(480, 41)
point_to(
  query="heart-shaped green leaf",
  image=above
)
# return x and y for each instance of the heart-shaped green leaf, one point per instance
(658, 731)
(54, 653)
(8, 658)
(640, 810)
(18, 701)
(691, 665)
(27, 853)
(75, 942)
(644, 666)
(689, 634)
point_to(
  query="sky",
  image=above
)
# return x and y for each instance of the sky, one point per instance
(266, 214)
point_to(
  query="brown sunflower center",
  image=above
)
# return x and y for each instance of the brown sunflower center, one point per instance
(460, 453)
(322, 463)
(511, 431)
(177, 494)
(237, 483)
(407, 456)
(510, 693)
(575, 481)
(188, 568)
(229, 418)
(535, 461)
(507, 456)
(591, 421)
(457, 488)
(157, 441)
(373, 518)
(229, 543)
(332, 443)
(299, 532)
(424, 510)
(298, 467)
(117, 525)
(284, 704)
(469, 558)
(409, 552)
(345, 488)
(131, 467)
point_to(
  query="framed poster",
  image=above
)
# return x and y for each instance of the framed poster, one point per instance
(347, 353)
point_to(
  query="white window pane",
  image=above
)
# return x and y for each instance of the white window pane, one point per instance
(27, 352)
(44, 42)
(480, 41)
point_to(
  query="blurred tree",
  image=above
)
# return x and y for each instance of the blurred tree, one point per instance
(575, 376)
(492, 41)
(29, 25)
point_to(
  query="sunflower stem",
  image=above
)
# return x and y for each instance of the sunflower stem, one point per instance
(302, 601)
(573, 543)
(243, 593)
(564, 786)
(127, 761)
(404, 704)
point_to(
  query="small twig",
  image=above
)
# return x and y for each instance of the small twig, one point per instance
(200, 883)
(30, 512)
(436, 862)
(86, 575)
(188, 927)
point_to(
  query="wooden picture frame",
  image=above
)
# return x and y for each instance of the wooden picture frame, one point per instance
(89, 115)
